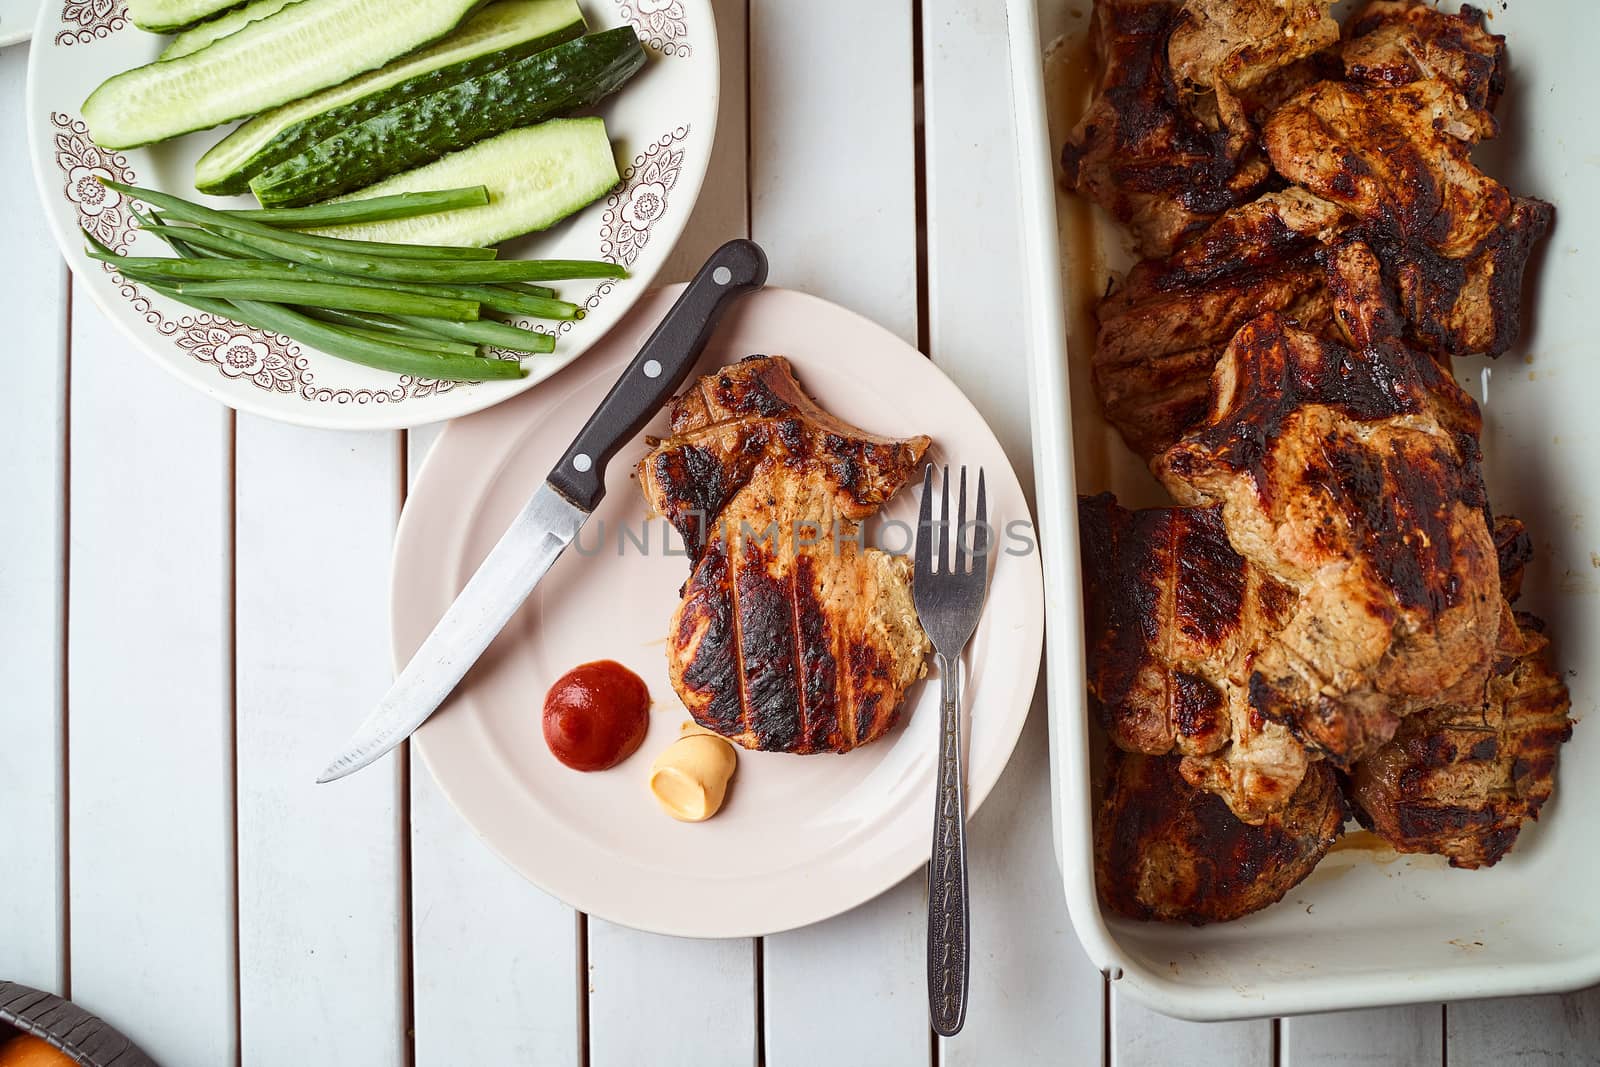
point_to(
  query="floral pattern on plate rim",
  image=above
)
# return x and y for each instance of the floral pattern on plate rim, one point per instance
(95, 20)
(660, 23)
(640, 199)
(275, 363)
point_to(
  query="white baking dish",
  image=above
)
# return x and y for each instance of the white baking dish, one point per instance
(1368, 927)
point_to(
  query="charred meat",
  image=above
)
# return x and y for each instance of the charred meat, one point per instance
(1460, 780)
(791, 636)
(1351, 476)
(1167, 851)
(1173, 617)
(1157, 158)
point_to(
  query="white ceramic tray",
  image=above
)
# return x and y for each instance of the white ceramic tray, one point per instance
(1367, 928)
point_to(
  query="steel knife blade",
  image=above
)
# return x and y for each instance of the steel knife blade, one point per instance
(557, 510)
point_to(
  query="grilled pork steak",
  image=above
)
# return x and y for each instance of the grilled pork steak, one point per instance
(790, 635)
(1461, 780)
(1352, 477)
(1156, 157)
(1235, 44)
(1165, 850)
(1173, 617)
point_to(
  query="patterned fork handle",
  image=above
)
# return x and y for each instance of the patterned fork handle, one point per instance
(948, 946)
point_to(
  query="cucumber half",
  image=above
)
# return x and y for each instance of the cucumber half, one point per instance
(557, 81)
(536, 176)
(500, 31)
(212, 30)
(301, 49)
(165, 16)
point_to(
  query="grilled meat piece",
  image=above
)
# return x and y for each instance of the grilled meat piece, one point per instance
(1164, 328)
(1397, 160)
(1460, 780)
(729, 421)
(1395, 156)
(1173, 615)
(1472, 304)
(1235, 44)
(1156, 158)
(1396, 42)
(1351, 476)
(790, 635)
(1167, 851)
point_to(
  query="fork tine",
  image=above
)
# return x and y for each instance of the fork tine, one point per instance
(924, 539)
(961, 526)
(980, 539)
(944, 522)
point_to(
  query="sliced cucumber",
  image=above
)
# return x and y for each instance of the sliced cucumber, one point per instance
(554, 82)
(303, 48)
(211, 30)
(165, 16)
(537, 176)
(500, 31)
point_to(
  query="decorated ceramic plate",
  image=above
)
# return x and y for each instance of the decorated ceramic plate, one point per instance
(799, 838)
(661, 124)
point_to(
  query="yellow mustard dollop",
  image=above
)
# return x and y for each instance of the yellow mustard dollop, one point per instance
(690, 778)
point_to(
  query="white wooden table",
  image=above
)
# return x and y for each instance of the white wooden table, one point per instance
(193, 614)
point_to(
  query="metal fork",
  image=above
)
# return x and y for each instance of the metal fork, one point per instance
(949, 601)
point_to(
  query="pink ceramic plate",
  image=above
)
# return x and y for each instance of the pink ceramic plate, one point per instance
(801, 837)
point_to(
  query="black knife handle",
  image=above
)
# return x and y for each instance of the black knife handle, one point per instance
(736, 268)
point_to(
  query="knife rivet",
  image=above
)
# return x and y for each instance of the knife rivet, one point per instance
(652, 368)
(581, 462)
(722, 275)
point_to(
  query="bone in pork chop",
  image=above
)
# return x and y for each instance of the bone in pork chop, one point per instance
(790, 635)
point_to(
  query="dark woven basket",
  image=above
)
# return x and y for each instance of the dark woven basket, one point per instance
(68, 1027)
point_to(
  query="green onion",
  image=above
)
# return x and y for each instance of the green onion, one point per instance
(487, 332)
(375, 209)
(185, 211)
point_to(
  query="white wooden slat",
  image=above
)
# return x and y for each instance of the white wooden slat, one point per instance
(1144, 1038)
(150, 689)
(669, 1001)
(514, 996)
(722, 211)
(658, 999)
(1549, 1031)
(1033, 991)
(33, 304)
(322, 944)
(1410, 1036)
(833, 201)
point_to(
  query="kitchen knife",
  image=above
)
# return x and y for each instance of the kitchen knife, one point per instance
(557, 509)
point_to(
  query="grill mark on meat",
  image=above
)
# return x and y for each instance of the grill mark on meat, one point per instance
(818, 666)
(714, 667)
(702, 489)
(1208, 595)
(766, 640)
(1197, 705)
(1167, 851)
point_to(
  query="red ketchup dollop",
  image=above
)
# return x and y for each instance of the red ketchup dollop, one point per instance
(596, 715)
